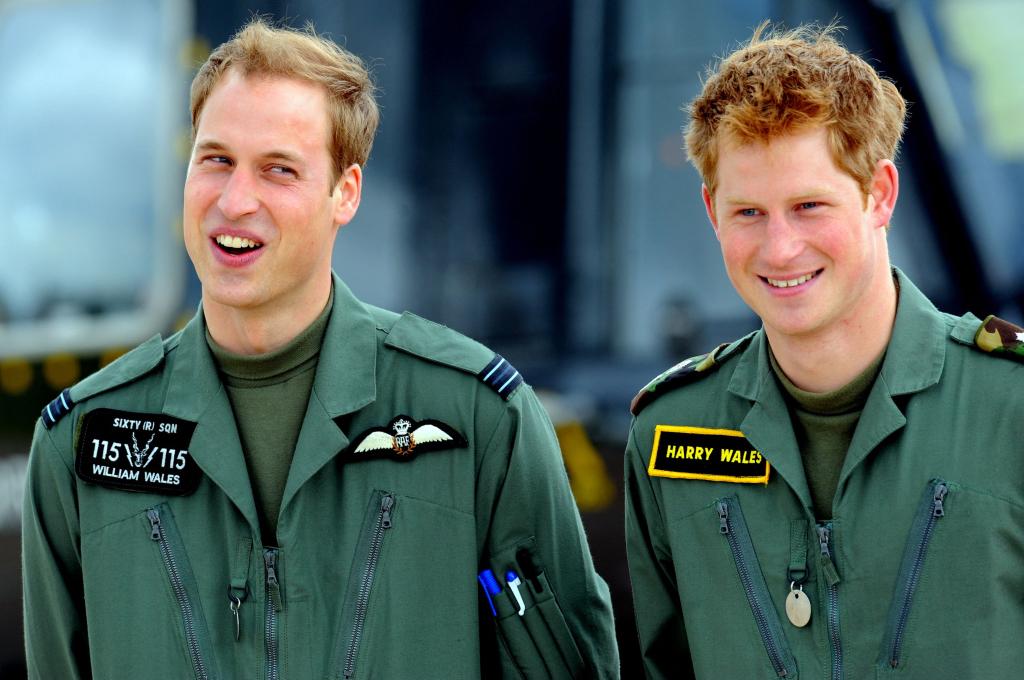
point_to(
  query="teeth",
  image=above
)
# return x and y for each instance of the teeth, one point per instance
(236, 242)
(787, 283)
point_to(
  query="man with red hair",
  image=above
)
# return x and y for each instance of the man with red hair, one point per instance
(838, 494)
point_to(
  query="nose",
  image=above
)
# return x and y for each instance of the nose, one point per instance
(239, 196)
(782, 243)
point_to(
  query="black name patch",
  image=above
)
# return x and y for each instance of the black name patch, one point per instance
(137, 452)
(709, 454)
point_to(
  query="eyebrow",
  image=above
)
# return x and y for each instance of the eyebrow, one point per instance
(278, 154)
(817, 192)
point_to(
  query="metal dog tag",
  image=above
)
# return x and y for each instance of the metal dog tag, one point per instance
(798, 607)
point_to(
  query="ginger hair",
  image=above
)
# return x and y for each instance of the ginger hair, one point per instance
(784, 82)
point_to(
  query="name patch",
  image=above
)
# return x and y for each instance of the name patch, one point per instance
(145, 452)
(709, 454)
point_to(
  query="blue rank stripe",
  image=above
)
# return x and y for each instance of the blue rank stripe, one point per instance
(57, 408)
(501, 376)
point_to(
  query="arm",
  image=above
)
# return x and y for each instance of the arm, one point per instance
(55, 637)
(524, 491)
(659, 620)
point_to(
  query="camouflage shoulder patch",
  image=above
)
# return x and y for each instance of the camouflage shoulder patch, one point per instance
(998, 336)
(681, 374)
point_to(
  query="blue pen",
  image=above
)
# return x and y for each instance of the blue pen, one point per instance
(491, 587)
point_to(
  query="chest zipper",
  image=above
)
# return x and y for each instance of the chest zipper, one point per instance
(180, 593)
(931, 511)
(383, 523)
(273, 607)
(761, 607)
(831, 578)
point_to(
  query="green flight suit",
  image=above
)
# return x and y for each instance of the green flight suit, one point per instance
(920, 571)
(375, 574)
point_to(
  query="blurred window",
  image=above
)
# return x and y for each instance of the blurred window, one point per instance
(92, 106)
(969, 60)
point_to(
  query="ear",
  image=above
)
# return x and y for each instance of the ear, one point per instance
(709, 206)
(885, 189)
(346, 194)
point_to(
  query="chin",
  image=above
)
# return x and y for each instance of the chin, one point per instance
(237, 296)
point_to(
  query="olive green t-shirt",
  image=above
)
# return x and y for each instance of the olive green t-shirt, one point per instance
(269, 394)
(824, 423)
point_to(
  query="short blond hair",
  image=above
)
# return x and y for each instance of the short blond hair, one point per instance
(259, 49)
(783, 82)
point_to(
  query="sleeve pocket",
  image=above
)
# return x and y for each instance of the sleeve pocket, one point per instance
(538, 641)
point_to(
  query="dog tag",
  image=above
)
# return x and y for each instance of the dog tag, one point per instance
(798, 607)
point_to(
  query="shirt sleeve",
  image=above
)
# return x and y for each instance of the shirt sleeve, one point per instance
(55, 635)
(534, 529)
(659, 619)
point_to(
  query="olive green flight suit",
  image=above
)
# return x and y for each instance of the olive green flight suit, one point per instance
(920, 571)
(380, 546)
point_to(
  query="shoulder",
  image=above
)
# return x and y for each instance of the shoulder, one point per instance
(687, 372)
(1000, 338)
(991, 340)
(127, 369)
(426, 341)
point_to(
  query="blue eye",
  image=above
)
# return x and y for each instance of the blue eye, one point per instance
(807, 205)
(749, 212)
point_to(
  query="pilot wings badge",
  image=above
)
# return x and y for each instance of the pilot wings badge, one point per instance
(403, 438)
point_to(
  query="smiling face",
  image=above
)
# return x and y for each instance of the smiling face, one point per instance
(262, 206)
(801, 245)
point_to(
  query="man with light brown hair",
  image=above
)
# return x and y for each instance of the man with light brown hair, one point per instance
(300, 485)
(839, 493)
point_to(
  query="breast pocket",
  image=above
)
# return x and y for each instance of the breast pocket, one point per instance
(732, 620)
(410, 606)
(957, 608)
(145, 615)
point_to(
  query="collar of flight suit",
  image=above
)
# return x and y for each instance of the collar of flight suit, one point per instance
(913, 362)
(345, 381)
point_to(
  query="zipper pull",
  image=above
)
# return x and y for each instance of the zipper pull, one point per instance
(154, 524)
(827, 565)
(273, 587)
(723, 517)
(236, 604)
(940, 493)
(386, 503)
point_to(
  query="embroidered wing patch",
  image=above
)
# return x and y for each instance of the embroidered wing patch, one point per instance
(403, 438)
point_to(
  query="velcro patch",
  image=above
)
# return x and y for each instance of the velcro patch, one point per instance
(145, 452)
(709, 454)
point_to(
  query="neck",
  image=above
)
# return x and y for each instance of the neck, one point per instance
(831, 358)
(264, 328)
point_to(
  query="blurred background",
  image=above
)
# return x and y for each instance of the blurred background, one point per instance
(528, 188)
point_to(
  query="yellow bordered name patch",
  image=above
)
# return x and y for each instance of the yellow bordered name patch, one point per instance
(710, 454)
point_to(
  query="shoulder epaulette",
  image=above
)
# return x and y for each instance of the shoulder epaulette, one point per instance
(684, 373)
(501, 376)
(131, 366)
(57, 408)
(442, 345)
(998, 336)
